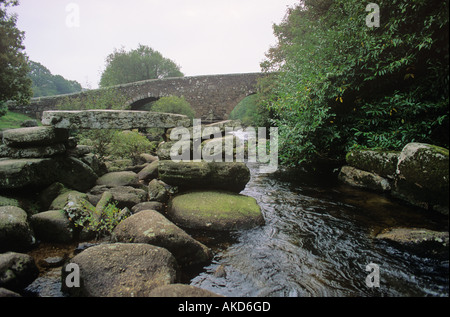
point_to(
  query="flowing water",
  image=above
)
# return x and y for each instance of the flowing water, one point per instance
(318, 239)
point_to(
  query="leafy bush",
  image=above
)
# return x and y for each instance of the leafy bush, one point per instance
(3, 108)
(341, 84)
(99, 140)
(102, 222)
(130, 144)
(173, 104)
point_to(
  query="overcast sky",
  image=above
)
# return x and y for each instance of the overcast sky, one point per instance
(73, 38)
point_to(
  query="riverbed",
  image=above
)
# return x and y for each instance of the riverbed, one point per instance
(317, 241)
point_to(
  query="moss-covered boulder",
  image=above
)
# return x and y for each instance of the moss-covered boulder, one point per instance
(17, 270)
(34, 136)
(414, 236)
(42, 172)
(8, 201)
(215, 210)
(362, 179)
(149, 172)
(61, 200)
(52, 226)
(122, 270)
(149, 226)
(382, 163)
(15, 231)
(125, 196)
(158, 191)
(124, 178)
(423, 176)
(228, 176)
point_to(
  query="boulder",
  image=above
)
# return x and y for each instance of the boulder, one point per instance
(148, 205)
(20, 173)
(226, 176)
(149, 226)
(382, 163)
(15, 232)
(17, 270)
(149, 172)
(98, 166)
(125, 196)
(415, 236)
(121, 270)
(34, 136)
(75, 174)
(61, 200)
(215, 210)
(124, 178)
(423, 176)
(42, 172)
(32, 152)
(7, 293)
(9, 201)
(158, 191)
(29, 123)
(148, 158)
(52, 226)
(174, 149)
(362, 179)
(50, 193)
(181, 290)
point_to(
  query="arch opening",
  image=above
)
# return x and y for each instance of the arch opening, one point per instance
(246, 110)
(143, 104)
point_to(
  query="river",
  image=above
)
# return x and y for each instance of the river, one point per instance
(317, 241)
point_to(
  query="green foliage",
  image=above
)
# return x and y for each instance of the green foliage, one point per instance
(99, 140)
(14, 82)
(173, 104)
(140, 64)
(3, 108)
(107, 98)
(249, 112)
(46, 84)
(130, 144)
(340, 84)
(102, 222)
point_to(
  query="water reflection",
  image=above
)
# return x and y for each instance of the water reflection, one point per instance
(318, 240)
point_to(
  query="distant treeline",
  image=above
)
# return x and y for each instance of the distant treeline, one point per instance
(47, 84)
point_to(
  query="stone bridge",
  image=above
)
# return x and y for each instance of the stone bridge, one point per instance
(212, 97)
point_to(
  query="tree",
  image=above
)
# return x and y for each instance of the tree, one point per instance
(341, 84)
(14, 83)
(47, 84)
(140, 64)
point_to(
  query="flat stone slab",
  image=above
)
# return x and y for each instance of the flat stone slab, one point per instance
(113, 119)
(35, 136)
